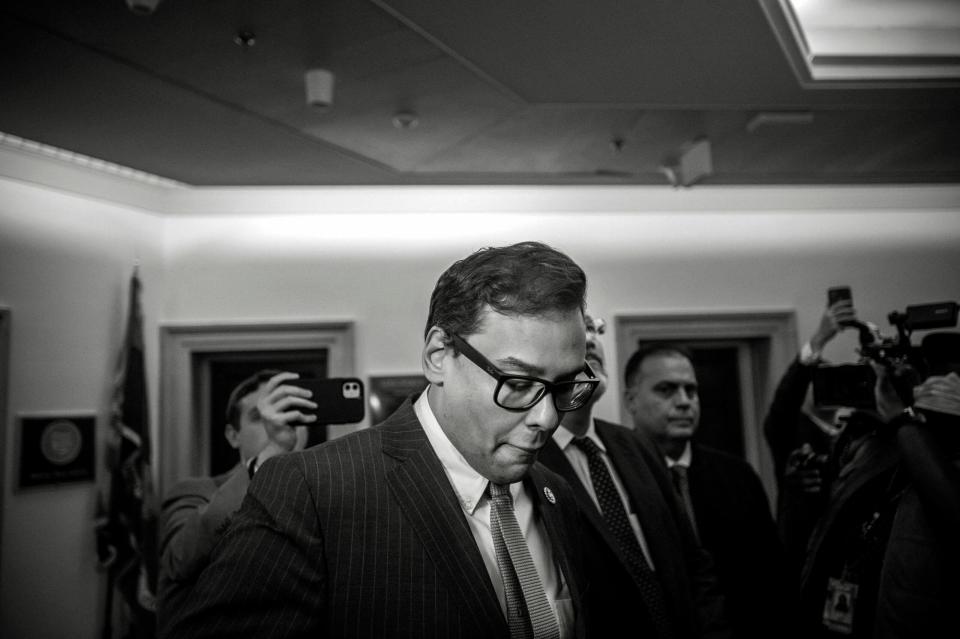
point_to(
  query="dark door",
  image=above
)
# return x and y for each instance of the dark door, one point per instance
(226, 370)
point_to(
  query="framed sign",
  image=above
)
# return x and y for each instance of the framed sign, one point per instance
(56, 448)
(386, 393)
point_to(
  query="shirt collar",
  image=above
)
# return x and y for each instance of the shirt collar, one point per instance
(683, 460)
(564, 437)
(468, 484)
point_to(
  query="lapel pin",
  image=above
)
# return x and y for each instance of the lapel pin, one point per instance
(549, 495)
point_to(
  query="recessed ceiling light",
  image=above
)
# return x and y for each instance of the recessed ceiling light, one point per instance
(405, 120)
(245, 38)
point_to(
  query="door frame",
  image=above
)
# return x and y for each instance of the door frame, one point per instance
(183, 425)
(772, 338)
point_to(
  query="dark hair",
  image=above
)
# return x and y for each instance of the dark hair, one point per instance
(524, 279)
(244, 388)
(941, 350)
(649, 349)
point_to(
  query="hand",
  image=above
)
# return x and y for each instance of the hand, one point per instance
(939, 393)
(802, 472)
(835, 318)
(280, 413)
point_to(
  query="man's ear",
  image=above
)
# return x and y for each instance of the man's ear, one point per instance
(233, 437)
(434, 350)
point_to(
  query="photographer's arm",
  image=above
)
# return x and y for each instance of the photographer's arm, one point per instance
(930, 444)
(835, 318)
(779, 425)
(193, 516)
(780, 422)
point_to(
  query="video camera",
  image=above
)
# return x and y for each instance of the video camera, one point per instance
(906, 364)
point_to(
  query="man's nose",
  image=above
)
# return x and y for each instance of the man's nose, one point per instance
(544, 414)
(592, 338)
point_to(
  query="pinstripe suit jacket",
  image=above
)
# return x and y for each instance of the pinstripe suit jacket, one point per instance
(685, 570)
(363, 536)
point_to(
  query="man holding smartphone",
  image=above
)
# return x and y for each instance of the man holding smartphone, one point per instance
(260, 423)
(800, 434)
(439, 521)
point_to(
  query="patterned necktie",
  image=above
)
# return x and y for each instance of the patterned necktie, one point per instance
(529, 614)
(682, 485)
(615, 515)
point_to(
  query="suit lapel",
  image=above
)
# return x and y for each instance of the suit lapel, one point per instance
(554, 458)
(423, 492)
(545, 497)
(641, 487)
(645, 496)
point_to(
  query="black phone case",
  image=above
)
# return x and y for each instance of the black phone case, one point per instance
(340, 400)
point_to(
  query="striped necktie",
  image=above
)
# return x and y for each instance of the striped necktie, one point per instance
(529, 614)
(615, 515)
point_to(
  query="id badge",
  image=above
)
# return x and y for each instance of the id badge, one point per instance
(839, 606)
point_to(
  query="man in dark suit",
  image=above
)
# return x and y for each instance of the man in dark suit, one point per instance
(196, 509)
(676, 576)
(437, 522)
(722, 494)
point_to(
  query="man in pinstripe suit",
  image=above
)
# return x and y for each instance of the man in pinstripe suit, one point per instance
(387, 532)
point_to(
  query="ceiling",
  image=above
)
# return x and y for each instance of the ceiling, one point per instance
(493, 92)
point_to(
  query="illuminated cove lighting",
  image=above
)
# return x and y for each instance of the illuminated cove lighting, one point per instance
(870, 42)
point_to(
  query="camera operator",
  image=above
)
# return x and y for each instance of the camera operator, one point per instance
(882, 556)
(800, 435)
(918, 586)
(260, 417)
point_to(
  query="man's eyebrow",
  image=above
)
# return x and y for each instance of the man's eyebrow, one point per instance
(676, 384)
(514, 363)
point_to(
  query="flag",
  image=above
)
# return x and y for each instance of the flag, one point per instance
(127, 517)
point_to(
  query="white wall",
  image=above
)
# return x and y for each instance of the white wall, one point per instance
(343, 253)
(372, 255)
(64, 266)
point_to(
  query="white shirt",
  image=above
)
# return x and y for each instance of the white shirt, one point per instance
(578, 459)
(684, 460)
(470, 488)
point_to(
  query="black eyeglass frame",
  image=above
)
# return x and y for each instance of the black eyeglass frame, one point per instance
(488, 367)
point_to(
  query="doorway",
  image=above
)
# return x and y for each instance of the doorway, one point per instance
(739, 357)
(201, 364)
(219, 373)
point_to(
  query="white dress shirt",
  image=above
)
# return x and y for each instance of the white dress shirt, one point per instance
(471, 488)
(683, 460)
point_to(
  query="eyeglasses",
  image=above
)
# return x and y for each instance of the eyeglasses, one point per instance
(596, 325)
(522, 392)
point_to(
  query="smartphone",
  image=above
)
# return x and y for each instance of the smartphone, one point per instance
(850, 385)
(340, 400)
(837, 293)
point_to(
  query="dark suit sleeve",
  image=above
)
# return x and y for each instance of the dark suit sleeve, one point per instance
(708, 598)
(736, 527)
(193, 515)
(705, 591)
(267, 573)
(780, 423)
